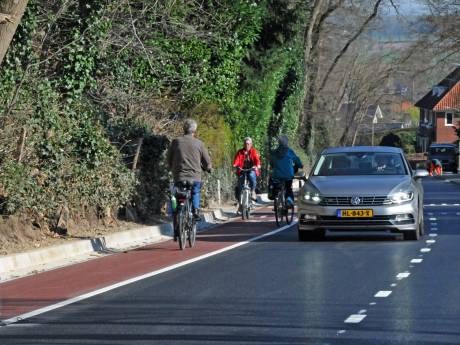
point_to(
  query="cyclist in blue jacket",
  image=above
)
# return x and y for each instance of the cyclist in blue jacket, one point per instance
(284, 163)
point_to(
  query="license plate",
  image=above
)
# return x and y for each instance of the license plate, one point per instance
(355, 213)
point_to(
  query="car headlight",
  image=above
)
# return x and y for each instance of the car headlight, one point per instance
(401, 197)
(311, 197)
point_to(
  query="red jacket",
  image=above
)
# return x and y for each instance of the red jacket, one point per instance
(253, 155)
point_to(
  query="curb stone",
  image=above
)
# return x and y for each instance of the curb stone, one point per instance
(19, 265)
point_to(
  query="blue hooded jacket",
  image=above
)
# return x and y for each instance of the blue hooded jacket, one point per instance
(283, 161)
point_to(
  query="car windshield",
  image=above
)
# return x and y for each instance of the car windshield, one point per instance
(441, 150)
(360, 163)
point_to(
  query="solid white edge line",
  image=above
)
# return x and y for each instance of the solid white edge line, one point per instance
(135, 279)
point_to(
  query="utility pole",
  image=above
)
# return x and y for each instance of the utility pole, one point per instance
(374, 121)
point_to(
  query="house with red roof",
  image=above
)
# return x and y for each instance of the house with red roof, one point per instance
(440, 113)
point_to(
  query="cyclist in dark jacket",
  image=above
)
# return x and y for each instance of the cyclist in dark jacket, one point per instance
(187, 158)
(284, 163)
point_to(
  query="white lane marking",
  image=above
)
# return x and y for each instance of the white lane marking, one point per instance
(430, 213)
(138, 278)
(362, 311)
(433, 218)
(433, 235)
(416, 261)
(430, 241)
(372, 303)
(457, 213)
(393, 285)
(263, 216)
(402, 275)
(434, 224)
(434, 229)
(355, 318)
(441, 205)
(341, 331)
(425, 250)
(382, 294)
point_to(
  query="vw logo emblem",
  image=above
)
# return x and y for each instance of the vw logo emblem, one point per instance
(355, 200)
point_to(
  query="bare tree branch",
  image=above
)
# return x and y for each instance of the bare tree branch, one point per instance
(349, 42)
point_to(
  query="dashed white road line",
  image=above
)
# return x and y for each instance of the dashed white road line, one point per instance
(433, 235)
(355, 318)
(372, 303)
(425, 250)
(362, 311)
(383, 294)
(433, 218)
(416, 261)
(393, 285)
(402, 275)
(430, 241)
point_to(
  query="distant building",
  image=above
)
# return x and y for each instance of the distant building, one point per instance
(440, 113)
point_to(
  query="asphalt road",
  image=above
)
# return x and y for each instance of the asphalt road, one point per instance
(349, 289)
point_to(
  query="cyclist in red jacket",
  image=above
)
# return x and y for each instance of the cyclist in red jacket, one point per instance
(247, 158)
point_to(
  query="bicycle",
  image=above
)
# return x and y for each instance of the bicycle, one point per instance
(245, 195)
(281, 208)
(183, 215)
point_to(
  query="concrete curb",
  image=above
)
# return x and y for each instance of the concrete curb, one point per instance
(52, 257)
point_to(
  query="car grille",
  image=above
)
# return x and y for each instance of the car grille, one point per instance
(346, 201)
(340, 221)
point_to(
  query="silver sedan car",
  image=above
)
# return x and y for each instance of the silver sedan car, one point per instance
(361, 188)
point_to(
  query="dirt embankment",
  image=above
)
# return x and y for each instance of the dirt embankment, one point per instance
(18, 234)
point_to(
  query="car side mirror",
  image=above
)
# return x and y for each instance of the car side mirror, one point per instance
(419, 173)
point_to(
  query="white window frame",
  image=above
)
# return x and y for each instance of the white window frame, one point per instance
(445, 119)
(422, 116)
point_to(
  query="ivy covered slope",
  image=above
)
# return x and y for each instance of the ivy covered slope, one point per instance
(88, 84)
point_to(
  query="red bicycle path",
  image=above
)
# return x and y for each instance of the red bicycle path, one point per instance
(30, 293)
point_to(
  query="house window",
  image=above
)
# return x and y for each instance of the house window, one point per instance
(449, 119)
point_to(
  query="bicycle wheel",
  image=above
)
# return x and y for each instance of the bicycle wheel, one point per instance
(289, 213)
(192, 234)
(182, 227)
(278, 210)
(245, 204)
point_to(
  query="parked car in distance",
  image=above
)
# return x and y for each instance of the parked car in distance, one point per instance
(362, 188)
(447, 154)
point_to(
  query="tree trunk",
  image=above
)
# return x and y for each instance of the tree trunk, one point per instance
(11, 12)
